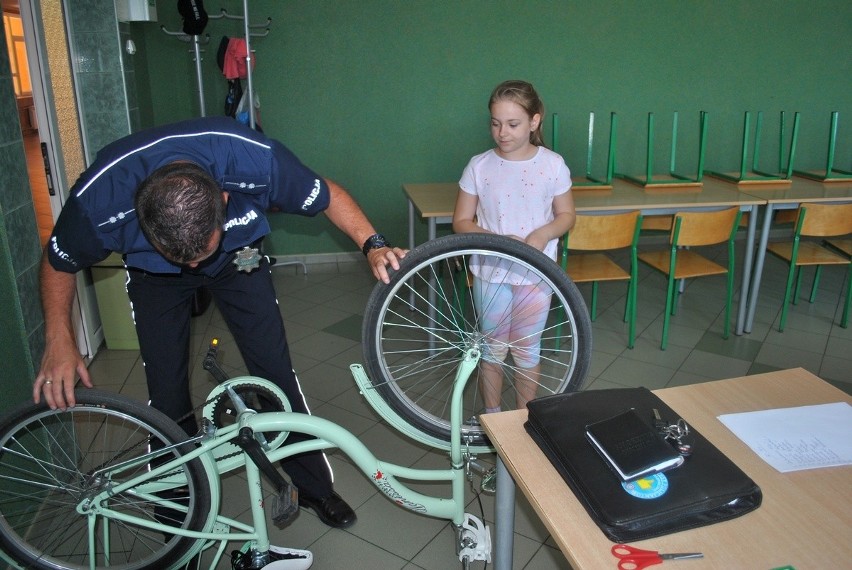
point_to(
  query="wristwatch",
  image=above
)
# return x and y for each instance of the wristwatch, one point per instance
(375, 241)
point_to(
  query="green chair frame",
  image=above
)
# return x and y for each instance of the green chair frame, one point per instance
(589, 180)
(754, 174)
(831, 174)
(795, 273)
(651, 180)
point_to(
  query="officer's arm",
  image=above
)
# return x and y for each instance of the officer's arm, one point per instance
(61, 362)
(345, 213)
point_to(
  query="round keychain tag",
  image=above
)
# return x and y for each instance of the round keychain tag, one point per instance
(647, 487)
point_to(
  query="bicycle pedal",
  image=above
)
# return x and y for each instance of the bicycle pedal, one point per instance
(285, 505)
(289, 559)
(488, 485)
(474, 540)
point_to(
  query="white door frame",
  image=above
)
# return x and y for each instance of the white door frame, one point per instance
(85, 317)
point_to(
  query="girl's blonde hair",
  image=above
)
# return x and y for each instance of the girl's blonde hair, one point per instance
(525, 95)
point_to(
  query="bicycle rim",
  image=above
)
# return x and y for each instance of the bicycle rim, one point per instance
(418, 328)
(52, 461)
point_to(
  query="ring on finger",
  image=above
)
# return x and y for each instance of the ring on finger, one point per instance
(47, 382)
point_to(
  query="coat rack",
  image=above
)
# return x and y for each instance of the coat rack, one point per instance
(248, 34)
(249, 31)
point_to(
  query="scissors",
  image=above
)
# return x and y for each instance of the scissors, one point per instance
(631, 558)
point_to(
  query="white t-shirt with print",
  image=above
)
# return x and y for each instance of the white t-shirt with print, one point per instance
(516, 196)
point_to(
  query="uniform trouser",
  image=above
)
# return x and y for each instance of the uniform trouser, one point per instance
(162, 305)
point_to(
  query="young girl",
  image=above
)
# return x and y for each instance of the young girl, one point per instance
(518, 189)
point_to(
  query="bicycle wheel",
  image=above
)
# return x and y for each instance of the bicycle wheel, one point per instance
(440, 303)
(52, 462)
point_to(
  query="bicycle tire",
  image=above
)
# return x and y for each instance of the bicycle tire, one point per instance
(417, 328)
(52, 460)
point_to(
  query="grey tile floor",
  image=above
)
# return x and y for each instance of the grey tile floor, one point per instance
(323, 311)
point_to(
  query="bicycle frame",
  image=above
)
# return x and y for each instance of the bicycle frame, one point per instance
(474, 537)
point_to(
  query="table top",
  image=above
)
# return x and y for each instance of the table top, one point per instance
(433, 200)
(802, 190)
(437, 200)
(805, 519)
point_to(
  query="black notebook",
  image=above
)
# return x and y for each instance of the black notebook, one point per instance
(631, 447)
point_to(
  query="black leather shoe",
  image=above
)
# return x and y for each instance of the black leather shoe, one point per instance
(332, 510)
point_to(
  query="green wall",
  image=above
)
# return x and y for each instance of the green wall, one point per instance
(375, 93)
(21, 325)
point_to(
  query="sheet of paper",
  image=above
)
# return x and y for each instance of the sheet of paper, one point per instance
(791, 439)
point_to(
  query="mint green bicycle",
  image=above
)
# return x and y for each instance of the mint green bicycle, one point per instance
(112, 483)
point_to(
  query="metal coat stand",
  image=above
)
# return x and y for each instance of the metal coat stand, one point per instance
(249, 31)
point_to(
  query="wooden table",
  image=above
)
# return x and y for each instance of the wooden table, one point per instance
(776, 197)
(435, 203)
(805, 520)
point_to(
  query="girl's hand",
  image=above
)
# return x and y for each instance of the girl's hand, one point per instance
(537, 240)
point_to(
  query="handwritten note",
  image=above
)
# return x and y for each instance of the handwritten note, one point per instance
(792, 439)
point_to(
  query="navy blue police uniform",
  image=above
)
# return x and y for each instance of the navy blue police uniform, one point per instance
(260, 175)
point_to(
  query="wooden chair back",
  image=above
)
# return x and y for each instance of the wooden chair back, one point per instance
(597, 233)
(704, 228)
(823, 220)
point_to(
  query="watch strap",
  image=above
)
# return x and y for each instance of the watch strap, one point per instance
(375, 241)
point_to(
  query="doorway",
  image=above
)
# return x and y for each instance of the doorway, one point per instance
(39, 183)
(40, 62)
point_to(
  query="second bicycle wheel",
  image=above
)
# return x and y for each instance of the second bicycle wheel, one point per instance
(54, 463)
(484, 291)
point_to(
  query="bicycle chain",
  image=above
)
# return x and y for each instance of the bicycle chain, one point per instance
(191, 414)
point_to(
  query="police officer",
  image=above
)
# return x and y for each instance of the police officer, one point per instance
(186, 204)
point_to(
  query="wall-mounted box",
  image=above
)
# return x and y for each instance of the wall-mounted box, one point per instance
(136, 10)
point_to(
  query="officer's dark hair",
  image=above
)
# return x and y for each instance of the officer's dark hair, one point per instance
(179, 207)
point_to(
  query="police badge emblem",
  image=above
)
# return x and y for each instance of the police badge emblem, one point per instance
(247, 259)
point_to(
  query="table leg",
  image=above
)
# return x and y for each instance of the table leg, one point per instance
(410, 224)
(747, 271)
(504, 518)
(411, 242)
(758, 268)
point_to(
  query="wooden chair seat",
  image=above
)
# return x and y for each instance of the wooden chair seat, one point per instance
(778, 217)
(841, 245)
(810, 253)
(657, 223)
(689, 264)
(589, 267)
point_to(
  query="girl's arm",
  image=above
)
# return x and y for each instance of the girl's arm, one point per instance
(464, 216)
(563, 220)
